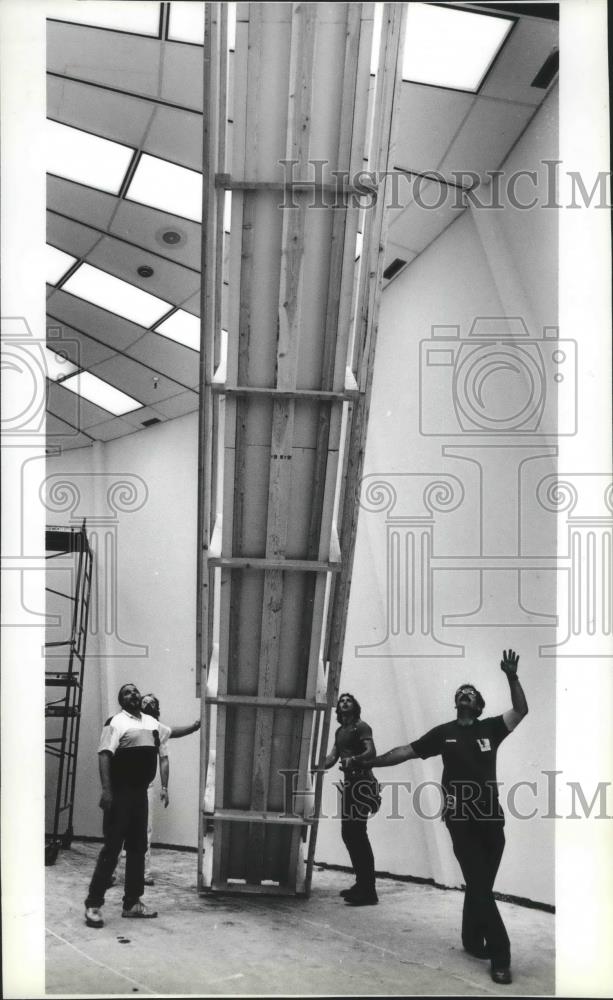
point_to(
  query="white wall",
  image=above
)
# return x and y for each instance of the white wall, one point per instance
(501, 263)
(155, 586)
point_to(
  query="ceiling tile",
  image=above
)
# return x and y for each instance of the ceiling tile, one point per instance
(104, 326)
(421, 223)
(81, 350)
(72, 237)
(137, 417)
(529, 44)
(144, 226)
(170, 282)
(124, 62)
(179, 405)
(176, 136)
(58, 432)
(69, 406)
(137, 380)
(107, 430)
(78, 202)
(114, 116)
(430, 118)
(167, 356)
(486, 137)
(192, 305)
(183, 75)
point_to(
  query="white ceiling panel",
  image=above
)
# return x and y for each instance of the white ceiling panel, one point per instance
(62, 435)
(102, 325)
(133, 378)
(70, 407)
(179, 405)
(528, 46)
(420, 224)
(169, 282)
(177, 361)
(119, 61)
(430, 119)
(183, 75)
(145, 226)
(115, 116)
(78, 202)
(176, 136)
(490, 130)
(78, 348)
(72, 237)
(137, 418)
(192, 305)
(108, 430)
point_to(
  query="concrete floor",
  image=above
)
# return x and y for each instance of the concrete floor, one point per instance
(407, 945)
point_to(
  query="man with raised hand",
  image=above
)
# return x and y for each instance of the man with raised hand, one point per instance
(472, 811)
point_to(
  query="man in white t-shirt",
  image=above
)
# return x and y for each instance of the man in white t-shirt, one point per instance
(130, 745)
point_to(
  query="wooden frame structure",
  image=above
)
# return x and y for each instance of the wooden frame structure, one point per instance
(293, 117)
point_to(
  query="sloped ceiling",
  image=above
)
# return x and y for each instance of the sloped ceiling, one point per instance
(146, 93)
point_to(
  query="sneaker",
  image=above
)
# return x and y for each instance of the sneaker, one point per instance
(363, 899)
(138, 910)
(149, 880)
(93, 917)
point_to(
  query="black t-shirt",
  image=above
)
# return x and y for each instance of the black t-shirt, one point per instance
(349, 742)
(469, 765)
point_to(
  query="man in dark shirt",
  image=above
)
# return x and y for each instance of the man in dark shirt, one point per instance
(353, 742)
(472, 811)
(130, 745)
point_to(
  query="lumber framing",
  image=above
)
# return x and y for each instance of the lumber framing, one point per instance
(284, 409)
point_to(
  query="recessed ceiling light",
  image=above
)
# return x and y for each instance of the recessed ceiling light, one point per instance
(451, 48)
(145, 271)
(101, 393)
(85, 158)
(57, 263)
(109, 292)
(57, 365)
(142, 18)
(167, 186)
(186, 22)
(182, 327)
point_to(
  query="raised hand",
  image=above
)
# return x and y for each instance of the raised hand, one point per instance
(509, 662)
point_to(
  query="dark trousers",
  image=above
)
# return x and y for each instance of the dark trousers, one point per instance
(125, 821)
(478, 845)
(355, 839)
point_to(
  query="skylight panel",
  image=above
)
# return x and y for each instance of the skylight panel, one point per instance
(167, 186)
(451, 48)
(103, 394)
(231, 25)
(57, 263)
(109, 292)
(57, 365)
(183, 328)
(227, 211)
(142, 18)
(376, 38)
(85, 158)
(186, 22)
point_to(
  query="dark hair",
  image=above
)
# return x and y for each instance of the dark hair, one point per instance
(480, 699)
(126, 685)
(357, 708)
(156, 706)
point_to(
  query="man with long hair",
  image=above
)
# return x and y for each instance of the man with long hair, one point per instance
(353, 743)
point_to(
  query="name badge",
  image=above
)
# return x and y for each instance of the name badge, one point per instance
(484, 744)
